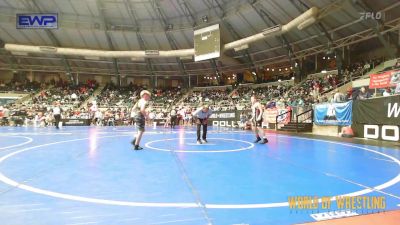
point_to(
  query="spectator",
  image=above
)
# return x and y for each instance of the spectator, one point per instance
(5, 115)
(349, 93)
(280, 104)
(363, 94)
(387, 92)
(98, 117)
(152, 116)
(338, 97)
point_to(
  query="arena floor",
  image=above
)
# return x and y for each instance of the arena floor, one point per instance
(91, 175)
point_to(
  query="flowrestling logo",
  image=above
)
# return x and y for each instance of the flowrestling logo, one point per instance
(372, 15)
(37, 21)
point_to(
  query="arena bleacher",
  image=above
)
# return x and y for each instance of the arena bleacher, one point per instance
(116, 101)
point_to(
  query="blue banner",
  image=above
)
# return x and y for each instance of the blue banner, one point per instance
(338, 114)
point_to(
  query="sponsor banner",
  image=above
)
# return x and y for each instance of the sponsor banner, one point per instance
(271, 114)
(224, 123)
(37, 21)
(76, 122)
(377, 118)
(221, 115)
(336, 114)
(385, 79)
(230, 118)
(381, 132)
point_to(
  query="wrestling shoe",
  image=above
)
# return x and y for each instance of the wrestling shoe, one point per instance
(137, 147)
(257, 140)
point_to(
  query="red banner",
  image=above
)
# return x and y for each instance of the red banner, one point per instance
(385, 79)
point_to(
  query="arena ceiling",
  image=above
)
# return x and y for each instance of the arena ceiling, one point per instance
(128, 25)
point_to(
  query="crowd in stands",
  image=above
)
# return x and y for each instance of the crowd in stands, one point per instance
(38, 110)
(208, 96)
(26, 86)
(112, 105)
(65, 94)
(358, 69)
(113, 96)
(167, 96)
(218, 99)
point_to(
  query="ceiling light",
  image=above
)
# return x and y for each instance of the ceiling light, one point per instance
(19, 53)
(242, 47)
(271, 30)
(92, 57)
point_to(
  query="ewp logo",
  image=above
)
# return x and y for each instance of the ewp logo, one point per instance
(37, 21)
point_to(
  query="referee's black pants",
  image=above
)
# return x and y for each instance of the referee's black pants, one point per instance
(199, 124)
(173, 121)
(57, 118)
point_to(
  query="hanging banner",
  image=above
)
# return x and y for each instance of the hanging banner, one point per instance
(271, 114)
(76, 122)
(337, 114)
(385, 79)
(377, 118)
(229, 118)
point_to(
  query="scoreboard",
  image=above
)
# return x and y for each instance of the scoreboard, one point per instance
(207, 43)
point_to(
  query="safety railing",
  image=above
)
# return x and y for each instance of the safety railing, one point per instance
(310, 112)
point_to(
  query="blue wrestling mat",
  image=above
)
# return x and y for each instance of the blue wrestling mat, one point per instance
(91, 175)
